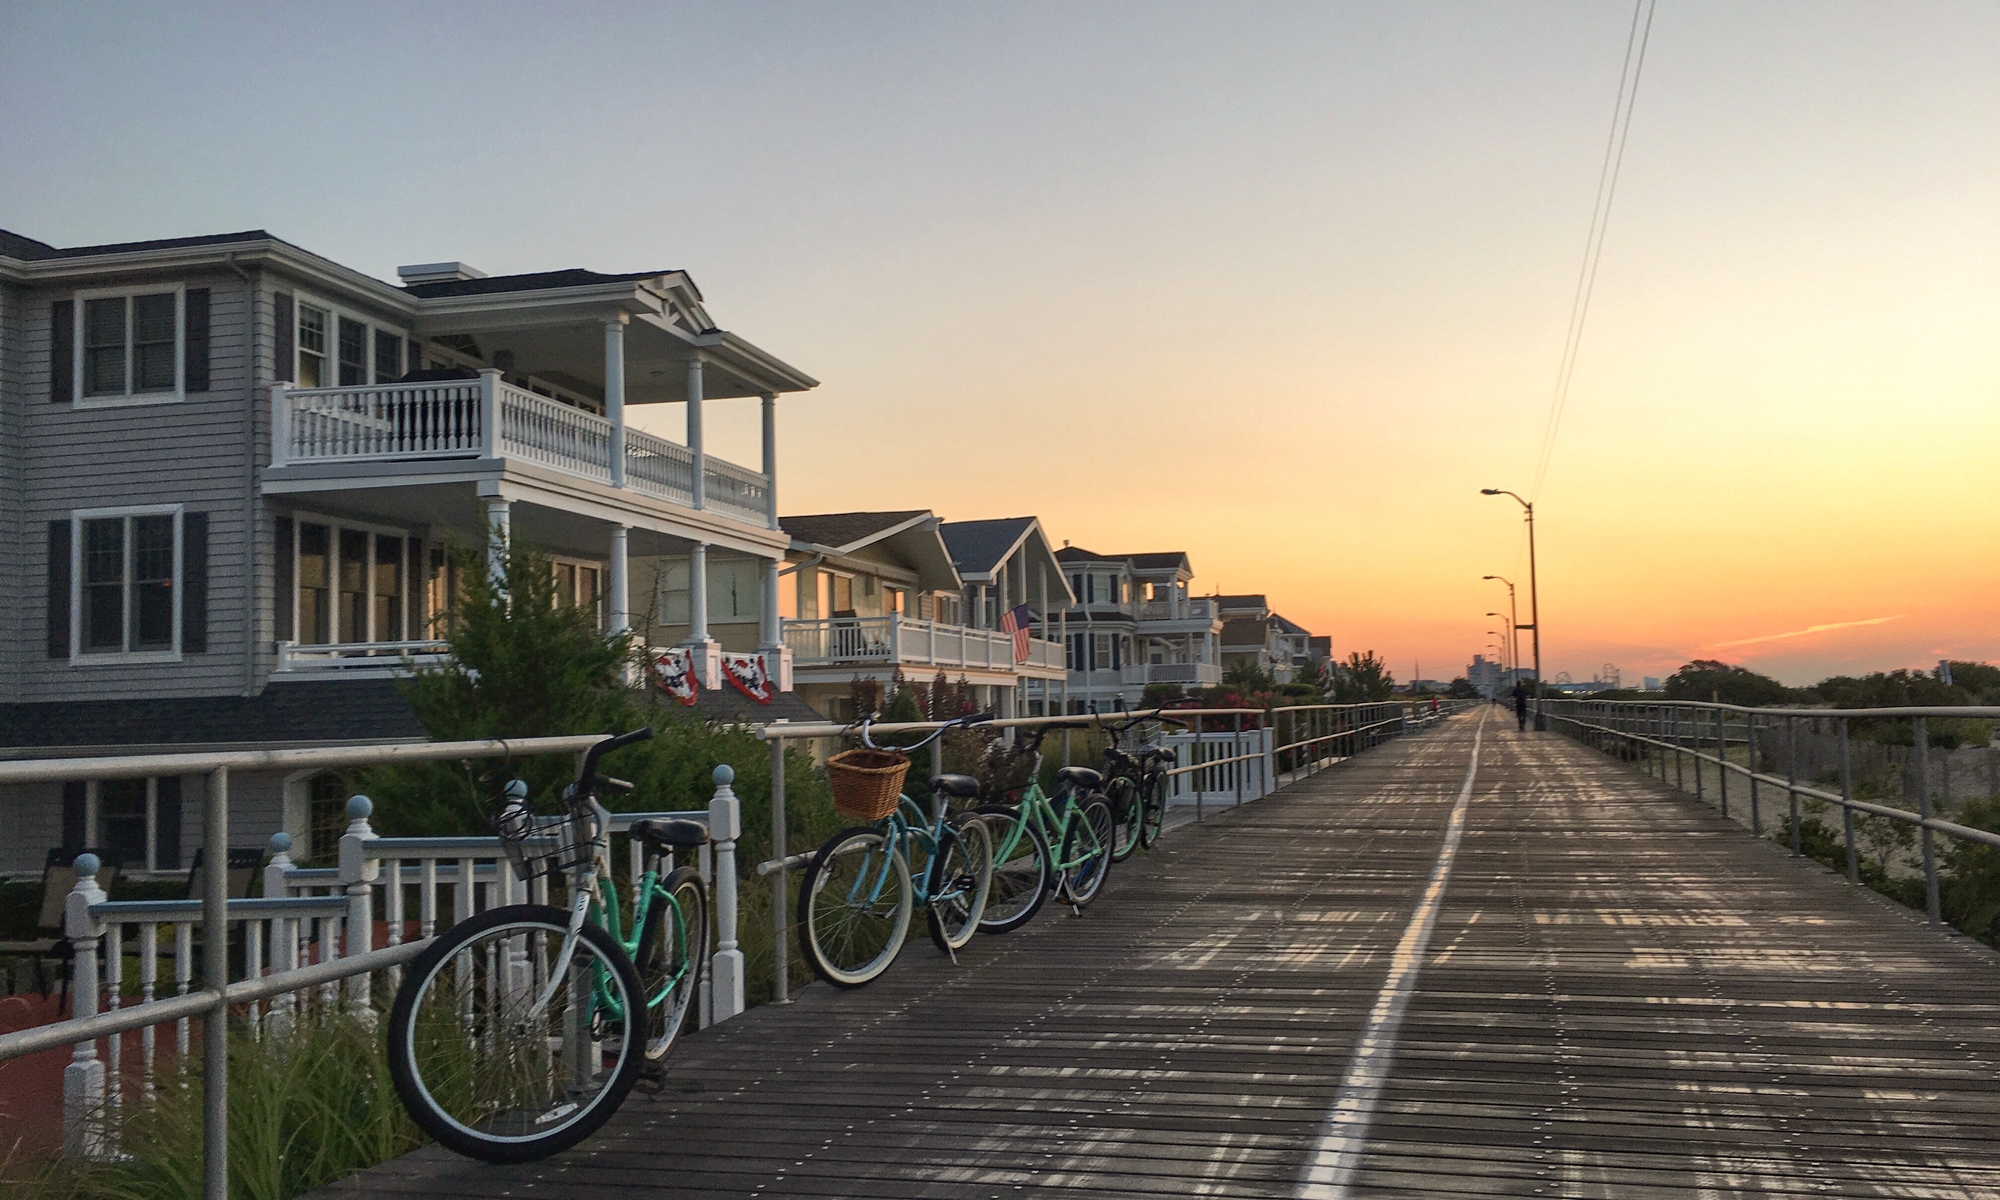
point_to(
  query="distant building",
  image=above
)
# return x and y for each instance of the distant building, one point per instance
(1652, 684)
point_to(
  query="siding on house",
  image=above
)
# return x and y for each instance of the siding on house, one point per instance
(15, 623)
(191, 452)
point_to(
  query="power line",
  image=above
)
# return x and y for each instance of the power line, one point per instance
(1600, 217)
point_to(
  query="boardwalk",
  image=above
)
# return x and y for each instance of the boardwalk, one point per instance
(1619, 994)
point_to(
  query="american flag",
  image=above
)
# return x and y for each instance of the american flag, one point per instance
(1016, 622)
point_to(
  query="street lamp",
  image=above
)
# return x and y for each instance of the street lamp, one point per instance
(1513, 622)
(1534, 601)
(1506, 660)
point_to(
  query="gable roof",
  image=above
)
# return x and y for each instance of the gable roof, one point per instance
(534, 281)
(13, 245)
(1164, 560)
(846, 530)
(979, 547)
(1243, 603)
(1285, 626)
(1079, 554)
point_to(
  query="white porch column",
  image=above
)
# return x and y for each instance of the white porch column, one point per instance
(499, 533)
(694, 431)
(1062, 634)
(620, 616)
(769, 636)
(770, 460)
(698, 593)
(614, 395)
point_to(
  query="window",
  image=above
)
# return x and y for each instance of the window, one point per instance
(1105, 653)
(732, 591)
(348, 583)
(125, 595)
(442, 590)
(326, 819)
(135, 821)
(337, 348)
(129, 346)
(580, 585)
(312, 347)
(893, 600)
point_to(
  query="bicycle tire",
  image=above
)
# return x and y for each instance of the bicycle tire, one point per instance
(515, 1107)
(962, 879)
(1021, 880)
(849, 949)
(1086, 879)
(680, 950)
(1153, 812)
(1123, 796)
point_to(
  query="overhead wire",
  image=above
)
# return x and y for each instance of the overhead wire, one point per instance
(1636, 40)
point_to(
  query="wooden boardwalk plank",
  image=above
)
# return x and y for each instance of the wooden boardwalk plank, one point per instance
(1623, 996)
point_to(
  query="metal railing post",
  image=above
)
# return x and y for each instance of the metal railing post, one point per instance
(1792, 781)
(1194, 754)
(1750, 739)
(1722, 760)
(1694, 734)
(781, 987)
(1929, 841)
(1680, 775)
(725, 825)
(1236, 749)
(215, 978)
(1847, 807)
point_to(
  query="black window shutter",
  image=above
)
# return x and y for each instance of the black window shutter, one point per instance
(58, 589)
(62, 351)
(75, 834)
(194, 583)
(281, 560)
(167, 823)
(194, 338)
(281, 308)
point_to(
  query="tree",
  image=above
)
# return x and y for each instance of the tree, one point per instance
(1462, 689)
(1704, 679)
(1362, 679)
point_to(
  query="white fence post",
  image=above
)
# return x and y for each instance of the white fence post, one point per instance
(281, 426)
(83, 1078)
(357, 874)
(1268, 784)
(489, 413)
(725, 825)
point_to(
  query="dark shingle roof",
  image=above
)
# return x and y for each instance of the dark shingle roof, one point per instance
(1166, 560)
(340, 710)
(843, 529)
(1246, 601)
(728, 705)
(15, 246)
(533, 282)
(978, 546)
(1244, 631)
(1079, 554)
(1288, 626)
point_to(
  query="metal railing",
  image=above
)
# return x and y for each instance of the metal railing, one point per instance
(314, 928)
(1705, 732)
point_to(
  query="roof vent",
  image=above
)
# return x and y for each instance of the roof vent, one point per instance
(444, 272)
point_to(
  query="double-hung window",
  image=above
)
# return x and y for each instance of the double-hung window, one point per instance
(136, 822)
(127, 564)
(344, 583)
(333, 348)
(128, 346)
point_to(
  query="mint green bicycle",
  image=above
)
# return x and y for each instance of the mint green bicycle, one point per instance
(1047, 845)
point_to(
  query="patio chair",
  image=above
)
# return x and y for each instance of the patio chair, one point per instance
(243, 865)
(58, 880)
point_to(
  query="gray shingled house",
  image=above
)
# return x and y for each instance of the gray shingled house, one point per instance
(230, 471)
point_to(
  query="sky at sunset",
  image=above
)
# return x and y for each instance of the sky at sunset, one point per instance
(1280, 285)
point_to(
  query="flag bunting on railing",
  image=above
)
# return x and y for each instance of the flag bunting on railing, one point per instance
(746, 673)
(677, 675)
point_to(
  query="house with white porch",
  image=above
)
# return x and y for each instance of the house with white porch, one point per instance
(1256, 637)
(1007, 567)
(233, 470)
(869, 596)
(1134, 623)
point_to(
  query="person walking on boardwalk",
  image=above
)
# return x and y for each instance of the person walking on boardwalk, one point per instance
(1521, 705)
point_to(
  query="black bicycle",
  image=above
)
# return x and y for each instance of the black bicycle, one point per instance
(1135, 784)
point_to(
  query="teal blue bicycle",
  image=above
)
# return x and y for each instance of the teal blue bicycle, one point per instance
(1044, 845)
(862, 887)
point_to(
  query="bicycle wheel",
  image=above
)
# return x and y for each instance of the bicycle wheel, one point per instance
(961, 881)
(1086, 852)
(1152, 811)
(854, 907)
(672, 948)
(1125, 814)
(1020, 870)
(500, 1058)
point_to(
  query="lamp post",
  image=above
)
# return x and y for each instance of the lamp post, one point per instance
(1534, 600)
(1513, 622)
(1506, 660)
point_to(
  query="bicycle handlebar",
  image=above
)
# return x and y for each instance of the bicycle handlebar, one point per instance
(587, 773)
(964, 722)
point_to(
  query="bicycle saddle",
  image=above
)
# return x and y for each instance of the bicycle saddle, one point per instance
(671, 832)
(1083, 777)
(1163, 754)
(965, 787)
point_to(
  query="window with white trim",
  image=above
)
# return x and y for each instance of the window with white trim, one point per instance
(341, 582)
(137, 822)
(128, 345)
(127, 569)
(580, 584)
(333, 347)
(732, 591)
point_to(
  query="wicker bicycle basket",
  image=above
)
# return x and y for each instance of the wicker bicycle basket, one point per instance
(866, 783)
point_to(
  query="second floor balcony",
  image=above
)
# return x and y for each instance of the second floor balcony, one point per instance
(486, 418)
(1189, 674)
(919, 646)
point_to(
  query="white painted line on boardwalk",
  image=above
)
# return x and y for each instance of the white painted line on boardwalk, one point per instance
(1336, 1152)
